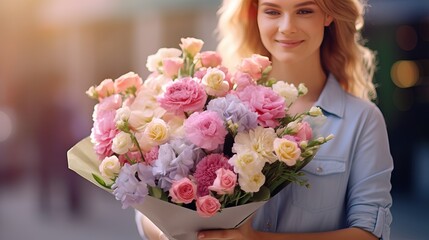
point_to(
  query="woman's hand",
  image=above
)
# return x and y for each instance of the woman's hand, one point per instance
(244, 232)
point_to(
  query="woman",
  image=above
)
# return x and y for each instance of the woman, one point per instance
(318, 43)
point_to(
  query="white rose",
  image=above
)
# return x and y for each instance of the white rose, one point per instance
(293, 127)
(110, 167)
(315, 112)
(259, 140)
(246, 163)
(288, 91)
(251, 183)
(302, 89)
(154, 62)
(121, 143)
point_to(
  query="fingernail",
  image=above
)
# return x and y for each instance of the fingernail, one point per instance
(200, 236)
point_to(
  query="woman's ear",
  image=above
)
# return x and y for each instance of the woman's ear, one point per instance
(328, 20)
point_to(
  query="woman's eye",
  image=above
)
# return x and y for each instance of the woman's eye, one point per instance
(305, 11)
(271, 12)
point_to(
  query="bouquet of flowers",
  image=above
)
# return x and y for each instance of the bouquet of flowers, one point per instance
(197, 136)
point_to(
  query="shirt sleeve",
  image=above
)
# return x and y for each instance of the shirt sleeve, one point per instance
(368, 197)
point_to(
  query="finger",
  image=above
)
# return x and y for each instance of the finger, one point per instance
(219, 234)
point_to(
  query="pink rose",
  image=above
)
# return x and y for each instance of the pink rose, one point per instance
(225, 181)
(305, 132)
(251, 67)
(210, 59)
(183, 95)
(207, 206)
(171, 66)
(242, 80)
(183, 191)
(126, 81)
(269, 106)
(105, 89)
(262, 61)
(205, 129)
(255, 65)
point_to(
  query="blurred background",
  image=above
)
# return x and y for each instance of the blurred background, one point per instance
(52, 51)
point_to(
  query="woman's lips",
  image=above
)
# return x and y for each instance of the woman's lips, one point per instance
(289, 43)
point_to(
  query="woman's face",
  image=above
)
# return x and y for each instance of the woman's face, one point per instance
(291, 30)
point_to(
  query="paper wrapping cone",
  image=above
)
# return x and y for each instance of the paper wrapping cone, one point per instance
(175, 221)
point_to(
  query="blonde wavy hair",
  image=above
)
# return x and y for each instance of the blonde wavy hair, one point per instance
(343, 53)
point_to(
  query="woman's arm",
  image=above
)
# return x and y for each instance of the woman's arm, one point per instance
(246, 232)
(148, 230)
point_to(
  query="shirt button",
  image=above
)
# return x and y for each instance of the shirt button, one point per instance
(319, 169)
(268, 226)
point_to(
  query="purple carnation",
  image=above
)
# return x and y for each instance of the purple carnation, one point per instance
(131, 185)
(205, 173)
(230, 108)
(176, 159)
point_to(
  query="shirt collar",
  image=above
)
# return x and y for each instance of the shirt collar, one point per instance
(333, 97)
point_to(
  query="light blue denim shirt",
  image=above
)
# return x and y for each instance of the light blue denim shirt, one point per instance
(349, 176)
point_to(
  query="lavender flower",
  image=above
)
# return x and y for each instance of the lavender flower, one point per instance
(131, 185)
(176, 159)
(231, 109)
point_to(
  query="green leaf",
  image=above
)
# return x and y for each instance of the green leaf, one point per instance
(245, 198)
(263, 194)
(155, 192)
(101, 181)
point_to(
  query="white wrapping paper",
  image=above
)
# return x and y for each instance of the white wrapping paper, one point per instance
(176, 222)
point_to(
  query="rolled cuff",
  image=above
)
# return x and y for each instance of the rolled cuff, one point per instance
(378, 224)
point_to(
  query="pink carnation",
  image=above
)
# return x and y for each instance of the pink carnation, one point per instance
(265, 102)
(205, 129)
(104, 129)
(184, 95)
(152, 155)
(205, 172)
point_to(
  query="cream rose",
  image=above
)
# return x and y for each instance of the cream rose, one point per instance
(214, 82)
(157, 131)
(110, 167)
(287, 151)
(121, 143)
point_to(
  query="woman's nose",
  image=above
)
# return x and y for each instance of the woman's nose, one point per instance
(287, 25)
